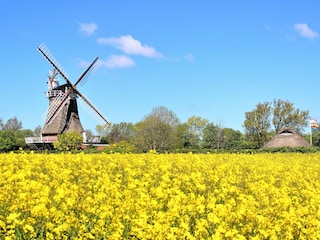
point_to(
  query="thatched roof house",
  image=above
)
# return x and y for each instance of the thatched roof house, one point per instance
(287, 138)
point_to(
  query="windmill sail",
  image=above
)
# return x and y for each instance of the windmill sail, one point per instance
(93, 110)
(51, 59)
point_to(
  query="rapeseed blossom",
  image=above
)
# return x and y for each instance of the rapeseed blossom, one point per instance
(159, 196)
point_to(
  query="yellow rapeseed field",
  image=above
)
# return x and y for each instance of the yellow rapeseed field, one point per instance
(160, 196)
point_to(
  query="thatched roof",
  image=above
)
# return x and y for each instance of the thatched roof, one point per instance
(287, 138)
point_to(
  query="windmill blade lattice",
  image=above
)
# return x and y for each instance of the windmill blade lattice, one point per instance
(92, 70)
(85, 73)
(93, 111)
(51, 59)
(55, 106)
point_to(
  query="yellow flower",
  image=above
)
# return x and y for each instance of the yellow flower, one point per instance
(30, 229)
(157, 196)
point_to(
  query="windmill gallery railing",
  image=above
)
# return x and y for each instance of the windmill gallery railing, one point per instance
(47, 139)
(53, 93)
(51, 139)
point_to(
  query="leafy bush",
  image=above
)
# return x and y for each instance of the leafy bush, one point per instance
(68, 141)
(121, 147)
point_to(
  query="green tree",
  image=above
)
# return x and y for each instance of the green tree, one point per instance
(233, 139)
(157, 131)
(12, 136)
(212, 136)
(257, 123)
(217, 137)
(20, 137)
(281, 113)
(68, 141)
(13, 139)
(121, 132)
(184, 138)
(196, 126)
(7, 141)
(12, 124)
(315, 137)
(286, 115)
(103, 130)
(37, 131)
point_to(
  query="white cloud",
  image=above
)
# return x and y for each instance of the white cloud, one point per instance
(83, 63)
(118, 61)
(189, 57)
(87, 28)
(129, 45)
(304, 30)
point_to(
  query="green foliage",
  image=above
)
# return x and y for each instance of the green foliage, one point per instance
(68, 141)
(162, 131)
(11, 135)
(121, 132)
(105, 140)
(154, 134)
(212, 137)
(217, 137)
(103, 130)
(281, 113)
(157, 131)
(291, 149)
(122, 147)
(233, 139)
(11, 140)
(257, 123)
(183, 138)
(315, 138)
(7, 141)
(12, 124)
(285, 115)
(196, 125)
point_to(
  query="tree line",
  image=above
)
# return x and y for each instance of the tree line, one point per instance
(161, 130)
(12, 134)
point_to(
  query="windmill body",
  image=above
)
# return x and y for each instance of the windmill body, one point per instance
(66, 120)
(62, 115)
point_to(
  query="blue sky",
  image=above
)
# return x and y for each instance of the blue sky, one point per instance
(213, 59)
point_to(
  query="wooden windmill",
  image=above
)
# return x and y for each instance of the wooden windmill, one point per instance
(62, 115)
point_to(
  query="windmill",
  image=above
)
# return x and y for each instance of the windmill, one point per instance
(62, 114)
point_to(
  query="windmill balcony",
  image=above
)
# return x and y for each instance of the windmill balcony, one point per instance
(53, 93)
(29, 140)
(45, 139)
